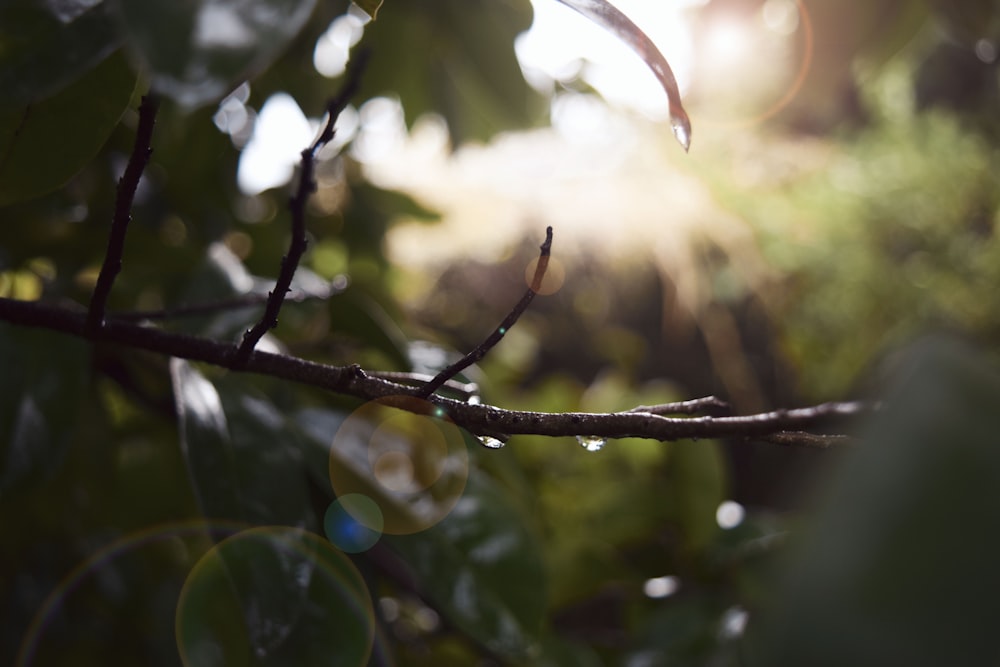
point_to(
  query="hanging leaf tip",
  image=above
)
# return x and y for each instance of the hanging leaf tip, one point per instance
(614, 21)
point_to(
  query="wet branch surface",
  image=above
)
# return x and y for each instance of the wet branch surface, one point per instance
(700, 418)
(784, 427)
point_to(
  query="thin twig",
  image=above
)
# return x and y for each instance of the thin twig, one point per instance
(211, 307)
(297, 207)
(706, 404)
(127, 186)
(466, 389)
(480, 351)
(783, 426)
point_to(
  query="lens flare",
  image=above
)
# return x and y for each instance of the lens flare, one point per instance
(166, 547)
(406, 456)
(275, 594)
(349, 534)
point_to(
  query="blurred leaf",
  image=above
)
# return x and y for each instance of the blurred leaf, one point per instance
(682, 632)
(45, 45)
(355, 314)
(199, 51)
(455, 58)
(969, 20)
(557, 652)
(245, 467)
(694, 487)
(224, 619)
(482, 568)
(44, 144)
(44, 375)
(243, 458)
(900, 564)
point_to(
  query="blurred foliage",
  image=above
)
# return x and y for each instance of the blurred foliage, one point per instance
(159, 512)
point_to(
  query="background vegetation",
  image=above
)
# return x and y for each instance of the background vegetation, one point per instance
(152, 508)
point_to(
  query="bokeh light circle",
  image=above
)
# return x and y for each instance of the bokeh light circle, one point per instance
(347, 533)
(406, 456)
(790, 92)
(167, 549)
(552, 281)
(276, 594)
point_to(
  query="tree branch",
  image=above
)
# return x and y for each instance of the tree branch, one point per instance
(508, 322)
(782, 426)
(297, 206)
(127, 186)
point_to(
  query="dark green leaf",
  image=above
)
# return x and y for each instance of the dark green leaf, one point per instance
(245, 467)
(46, 45)
(199, 51)
(900, 565)
(44, 375)
(693, 489)
(355, 314)
(44, 144)
(463, 63)
(243, 459)
(483, 568)
(224, 618)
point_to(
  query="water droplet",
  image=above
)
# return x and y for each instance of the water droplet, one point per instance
(490, 442)
(592, 443)
(682, 130)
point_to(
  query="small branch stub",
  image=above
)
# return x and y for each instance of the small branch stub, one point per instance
(480, 351)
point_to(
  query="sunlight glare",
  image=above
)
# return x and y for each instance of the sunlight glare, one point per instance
(780, 16)
(728, 41)
(333, 46)
(279, 135)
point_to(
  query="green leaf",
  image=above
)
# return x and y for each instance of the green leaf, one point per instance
(462, 66)
(899, 566)
(46, 45)
(44, 376)
(483, 568)
(200, 50)
(245, 467)
(242, 456)
(693, 489)
(224, 617)
(43, 145)
(355, 314)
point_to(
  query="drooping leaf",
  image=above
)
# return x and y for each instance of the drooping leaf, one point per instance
(46, 45)
(611, 19)
(199, 51)
(43, 144)
(44, 376)
(483, 568)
